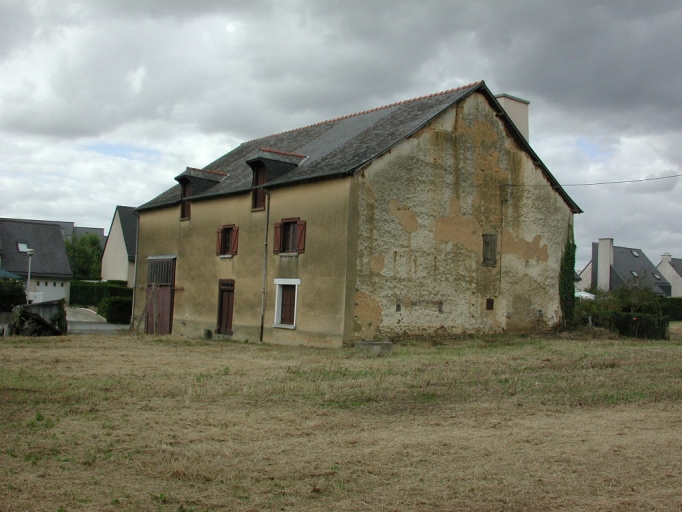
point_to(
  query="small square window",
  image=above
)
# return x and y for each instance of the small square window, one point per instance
(22, 247)
(633, 273)
(634, 253)
(489, 250)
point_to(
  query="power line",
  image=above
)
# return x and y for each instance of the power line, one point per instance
(618, 182)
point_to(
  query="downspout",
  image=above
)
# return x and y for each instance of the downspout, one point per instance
(137, 245)
(265, 264)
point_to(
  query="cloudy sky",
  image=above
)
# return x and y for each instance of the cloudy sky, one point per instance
(103, 102)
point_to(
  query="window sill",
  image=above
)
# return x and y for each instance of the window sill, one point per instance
(284, 326)
(288, 254)
(226, 256)
(184, 218)
(261, 209)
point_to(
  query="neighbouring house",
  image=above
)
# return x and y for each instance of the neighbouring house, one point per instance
(118, 257)
(70, 231)
(430, 216)
(613, 267)
(671, 269)
(50, 270)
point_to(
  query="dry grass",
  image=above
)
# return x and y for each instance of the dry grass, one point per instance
(502, 423)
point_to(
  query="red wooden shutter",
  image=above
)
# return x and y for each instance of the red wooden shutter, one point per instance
(234, 239)
(277, 245)
(219, 242)
(300, 236)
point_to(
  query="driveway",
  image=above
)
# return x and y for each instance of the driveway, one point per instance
(86, 321)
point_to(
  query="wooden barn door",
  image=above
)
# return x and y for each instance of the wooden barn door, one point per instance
(160, 284)
(225, 306)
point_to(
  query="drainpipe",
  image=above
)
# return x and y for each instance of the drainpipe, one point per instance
(265, 264)
(137, 245)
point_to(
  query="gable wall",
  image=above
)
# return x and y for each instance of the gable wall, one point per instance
(673, 278)
(115, 264)
(423, 209)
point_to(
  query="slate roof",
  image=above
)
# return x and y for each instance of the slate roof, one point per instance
(631, 265)
(50, 258)
(338, 147)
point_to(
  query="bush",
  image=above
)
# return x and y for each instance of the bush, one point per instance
(11, 294)
(116, 310)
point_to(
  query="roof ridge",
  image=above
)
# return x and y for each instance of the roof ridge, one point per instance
(347, 116)
(207, 170)
(280, 152)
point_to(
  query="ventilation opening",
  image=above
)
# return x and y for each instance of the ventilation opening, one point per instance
(489, 304)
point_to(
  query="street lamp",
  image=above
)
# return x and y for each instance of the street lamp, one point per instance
(30, 253)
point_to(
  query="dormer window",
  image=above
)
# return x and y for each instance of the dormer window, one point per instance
(258, 197)
(185, 203)
(268, 165)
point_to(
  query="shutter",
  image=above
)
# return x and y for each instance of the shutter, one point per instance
(277, 245)
(489, 250)
(234, 239)
(300, 236)
(219, 241)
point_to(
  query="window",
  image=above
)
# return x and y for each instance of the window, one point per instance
(185, 204)
(634, 253)
(22, 247)
(286, 303)
(489, 250)
(289, 236)
(227, 240)
(633, 273)
(258, 198)
(489, 304)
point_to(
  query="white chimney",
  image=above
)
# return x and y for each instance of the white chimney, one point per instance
(517, 110)
(666, 257)
(604, 262)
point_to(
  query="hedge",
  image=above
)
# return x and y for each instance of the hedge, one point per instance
(634, 325)
(90, 294)
(116, 310)
(672, 307)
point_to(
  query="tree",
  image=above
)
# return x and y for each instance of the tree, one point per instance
(11, 294)
(85, 256)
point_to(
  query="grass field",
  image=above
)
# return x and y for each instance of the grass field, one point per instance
(114, 423)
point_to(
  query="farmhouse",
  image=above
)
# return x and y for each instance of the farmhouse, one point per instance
(428, 216)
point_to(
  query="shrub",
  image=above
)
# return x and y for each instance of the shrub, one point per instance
(116, 310)
(11, 294)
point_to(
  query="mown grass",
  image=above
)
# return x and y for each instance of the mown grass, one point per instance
(126, 423)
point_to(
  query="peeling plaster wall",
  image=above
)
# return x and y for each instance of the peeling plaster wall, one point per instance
(422, 211)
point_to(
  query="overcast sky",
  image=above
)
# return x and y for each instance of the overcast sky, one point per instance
(103, 102)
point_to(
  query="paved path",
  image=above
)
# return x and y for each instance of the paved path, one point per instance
(86, 321)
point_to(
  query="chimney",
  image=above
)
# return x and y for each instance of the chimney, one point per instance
(604, 262)
(517, 110)
(666, 257)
